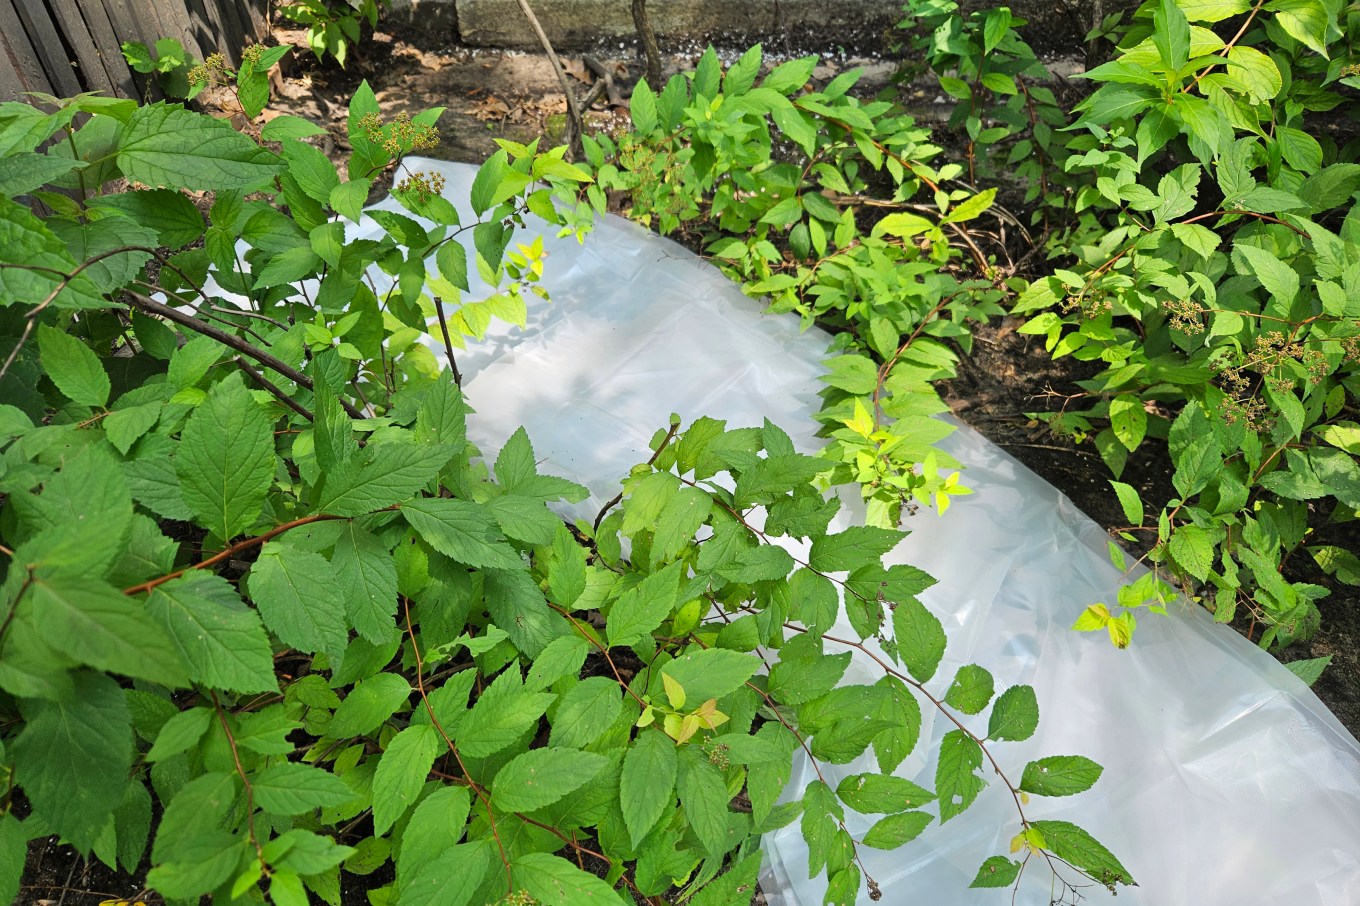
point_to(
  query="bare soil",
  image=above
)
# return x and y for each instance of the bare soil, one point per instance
(515, 95)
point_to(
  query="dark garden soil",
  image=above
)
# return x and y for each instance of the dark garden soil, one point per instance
(1007, 375)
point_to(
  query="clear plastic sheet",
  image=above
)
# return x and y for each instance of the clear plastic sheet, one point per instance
(1226, 780)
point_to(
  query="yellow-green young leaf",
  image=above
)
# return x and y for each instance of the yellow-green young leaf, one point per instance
(920, 638)
(971, 208)
(402, 772)
(895, 830)
(292, 591)
(997, 871)
(1069, 842)
(647, 784)
(1128, 419)
(220, 638)
(971, 690)
(1121, 629)
(95, 624)
(1060, 775)
(1015, 716)
(73, 367)
(1094, 617)
(957, 783)
(226, 460)
(166, 145)
(88, 737)
(292, 789)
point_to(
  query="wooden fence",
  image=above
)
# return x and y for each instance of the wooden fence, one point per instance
(64, 47)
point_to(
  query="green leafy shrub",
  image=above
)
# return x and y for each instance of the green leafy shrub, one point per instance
(831, 208)
(1203, 257)
(332, 28)
(269, 612)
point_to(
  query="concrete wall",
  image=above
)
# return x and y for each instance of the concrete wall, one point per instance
(576, 23)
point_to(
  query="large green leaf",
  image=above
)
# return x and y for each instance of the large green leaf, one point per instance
(1060, 775)
(72, 757)
(25, 240)
(920, 638)
(435, 827)
(292, 589)
(226, 460)
(401, 774)
(553, 881)
(1069, 842)
(957, 783)
(461, 530)
(392, 473)
(540, 777)
(291, 788)
(166, 145)
(97, 625)
(73, 367)
(220, 638)
(647, 785)
(367, 575)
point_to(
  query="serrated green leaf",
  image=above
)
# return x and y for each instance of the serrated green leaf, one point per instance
(97, 625)
(180, 733)
(220, 638)
(13, 854)
(536, 779)
(292, 789)
(436, 826)
(291, 589)
(563, 657)
(1128, 419)
(642, 608)
(957, 783)
(166, 145)
(226, 460)
(553, 881)
(704, 797)
(369, 704)
(647, 784)
(1192, 548)
(1015, 716)
(971, 690)
(1060, 775)
(365, 570)
(997, 871)
(882, 794)
(853, 548)
(88, 736)
(1129, 501)
(896, 830)
(73, 367)
(402, 772)
(497, 721)
(711, 673)
(1069, 842)
(920, 638)
(586, 711)
(461, 530)
(392, 473)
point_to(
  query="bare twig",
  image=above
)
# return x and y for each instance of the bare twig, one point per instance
(274, 391)
(575, 124)
(647, 37)
(137, 300)
(448, 342)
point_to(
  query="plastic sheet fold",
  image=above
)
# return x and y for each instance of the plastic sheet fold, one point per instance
(1226, 782)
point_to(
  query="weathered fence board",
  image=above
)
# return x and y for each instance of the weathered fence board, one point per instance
(65, 47)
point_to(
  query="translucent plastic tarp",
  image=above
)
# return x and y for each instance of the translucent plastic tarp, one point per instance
(1226, 780)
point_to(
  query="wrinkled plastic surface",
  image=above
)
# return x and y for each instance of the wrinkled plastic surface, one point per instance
(1226, 780)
